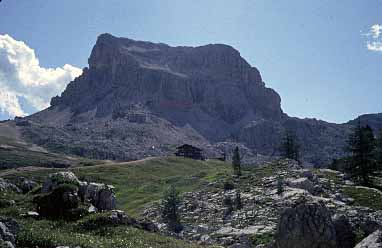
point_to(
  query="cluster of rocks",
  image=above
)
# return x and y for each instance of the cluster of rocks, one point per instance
(62, 193)
(8, 230)
(8, 186)
(310, 212)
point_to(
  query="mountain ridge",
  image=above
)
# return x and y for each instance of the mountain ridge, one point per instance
(139, 99)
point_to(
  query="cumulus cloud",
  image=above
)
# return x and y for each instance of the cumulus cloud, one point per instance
(374, 38)
(21, 76)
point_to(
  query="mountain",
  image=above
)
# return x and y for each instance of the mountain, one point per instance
(373, 120)
(139, 99)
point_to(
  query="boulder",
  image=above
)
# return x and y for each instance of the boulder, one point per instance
(306, 225)
(56, 179)
(8, 230)
(307, 173)
(374, 240)
(7, 186)
(58, 203)
(25, 184)
(302, 183)
(102, 196)
(344, 232)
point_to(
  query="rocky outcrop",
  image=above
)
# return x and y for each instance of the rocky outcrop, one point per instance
(307, 225)
(302, 183)
(8, 230)
(8, 186)
(374, 240)
(25, 184)
(56, 179)
(101, 196)
(345, 234)
(61, 202)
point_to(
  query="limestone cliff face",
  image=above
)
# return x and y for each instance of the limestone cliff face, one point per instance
(212, 88)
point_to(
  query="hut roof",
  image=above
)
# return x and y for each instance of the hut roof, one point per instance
(185, 146)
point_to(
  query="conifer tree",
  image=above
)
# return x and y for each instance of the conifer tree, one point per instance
(236, 162)
(238, 203)
(228, 203)
(290, 147)
(361, 145)
(170, 210)
(378, 151)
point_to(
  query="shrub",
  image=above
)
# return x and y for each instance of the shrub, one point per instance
(228, 185)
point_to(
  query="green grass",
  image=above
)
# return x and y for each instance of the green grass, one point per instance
(139, 184)
(46, 234)
(136, 184)
(365, 197)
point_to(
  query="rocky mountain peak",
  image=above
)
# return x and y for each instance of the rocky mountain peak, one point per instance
(213, 60)
(181, 84)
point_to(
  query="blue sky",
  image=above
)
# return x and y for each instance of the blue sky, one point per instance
(313, 53)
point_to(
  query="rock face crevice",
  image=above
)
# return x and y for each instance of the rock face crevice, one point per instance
(198, 95)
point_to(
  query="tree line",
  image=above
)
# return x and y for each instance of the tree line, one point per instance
(364, 150)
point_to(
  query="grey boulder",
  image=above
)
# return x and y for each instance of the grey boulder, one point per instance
(56, 179)
(306, 225)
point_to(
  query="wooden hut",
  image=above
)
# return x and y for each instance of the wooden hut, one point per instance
(189, 151)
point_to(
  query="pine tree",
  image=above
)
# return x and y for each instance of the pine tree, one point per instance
(361, 145)
(290, 147)
(238, 203)
(229, 206)
(170, 210)
(236, 162)
(378, 152)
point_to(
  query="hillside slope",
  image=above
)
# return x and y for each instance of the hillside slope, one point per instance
(206, 217)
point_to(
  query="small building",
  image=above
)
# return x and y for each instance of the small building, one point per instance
(189, 151)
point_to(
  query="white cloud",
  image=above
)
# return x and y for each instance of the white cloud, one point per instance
(22, 76)
(9, 104)
(374, 46)
(374, 41)
(375, 31)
